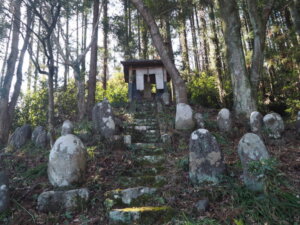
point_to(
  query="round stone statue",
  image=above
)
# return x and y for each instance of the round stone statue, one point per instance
(273, 125)
(67, 161)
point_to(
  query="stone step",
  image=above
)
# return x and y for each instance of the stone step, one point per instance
(141, 215)
(153, 160)
(150, 181)
(146, 120)
(147, 129)
(144, 115)
(144, 171)
(149, 139)
(145, 146)
(132, 197)
(148, 151)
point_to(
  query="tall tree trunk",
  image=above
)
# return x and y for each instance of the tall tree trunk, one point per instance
(166, 34)
(80, 83)
(5, 56)
(18, 84)
(126, 17)
(205, 40)
(11, 63)
(244, 103)
(218, 58)
(258, 18)
(201, 52)
(84, 36)
(145, 40)
(36, 72)
(295, 12)
(180, 88)
(67, 68)
(184, 45)
(105, 43)
(195, 42)
(93, 65)
(139, 36)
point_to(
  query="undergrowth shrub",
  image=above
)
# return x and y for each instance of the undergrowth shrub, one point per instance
(203, 90)
(117, 91)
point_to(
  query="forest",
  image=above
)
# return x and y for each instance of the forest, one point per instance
(150, 112)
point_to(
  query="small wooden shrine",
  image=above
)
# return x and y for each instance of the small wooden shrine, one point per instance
(147, 79)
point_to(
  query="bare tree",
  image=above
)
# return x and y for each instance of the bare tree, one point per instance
(48, 17)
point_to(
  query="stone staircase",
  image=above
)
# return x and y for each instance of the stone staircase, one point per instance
(139, 201)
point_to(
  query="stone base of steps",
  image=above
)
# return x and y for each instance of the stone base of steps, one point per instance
(133, 197)
(141, 215)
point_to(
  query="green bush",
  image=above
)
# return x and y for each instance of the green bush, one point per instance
(117, 90)
(32, 108)
(203, 90)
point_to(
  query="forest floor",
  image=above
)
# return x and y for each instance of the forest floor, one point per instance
(229, 202)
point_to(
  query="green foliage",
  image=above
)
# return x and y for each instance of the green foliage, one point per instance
(183, 163)
(184, 220)
(33, 108)
(66, 103)
(203, 90)
(278, 205)
(36, 172)
(117, 90)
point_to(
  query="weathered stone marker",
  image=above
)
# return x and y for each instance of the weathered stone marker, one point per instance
(184, 117)
(20, 137)
(274, 125)
(250, 149)
(4, 192)
(39, 137)
(198, 117)
(67, 161)
(224, 120)
(256, 122)
(206, 159)
(67, 128)
(103, 119)
(55, 201)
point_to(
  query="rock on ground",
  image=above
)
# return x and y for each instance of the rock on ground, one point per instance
(250, 149)
(184, 117)
(198, 117)
(4, 192)
(206, 159)
(20, 137)
(274, 125)
(67, 128)
(127, 139)
(141, 215)
(103, 119)
(224, 120)
(165, 98)
(39, 137)
(202, 205)
(67, 161)
(58, 201)
(256, 122)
